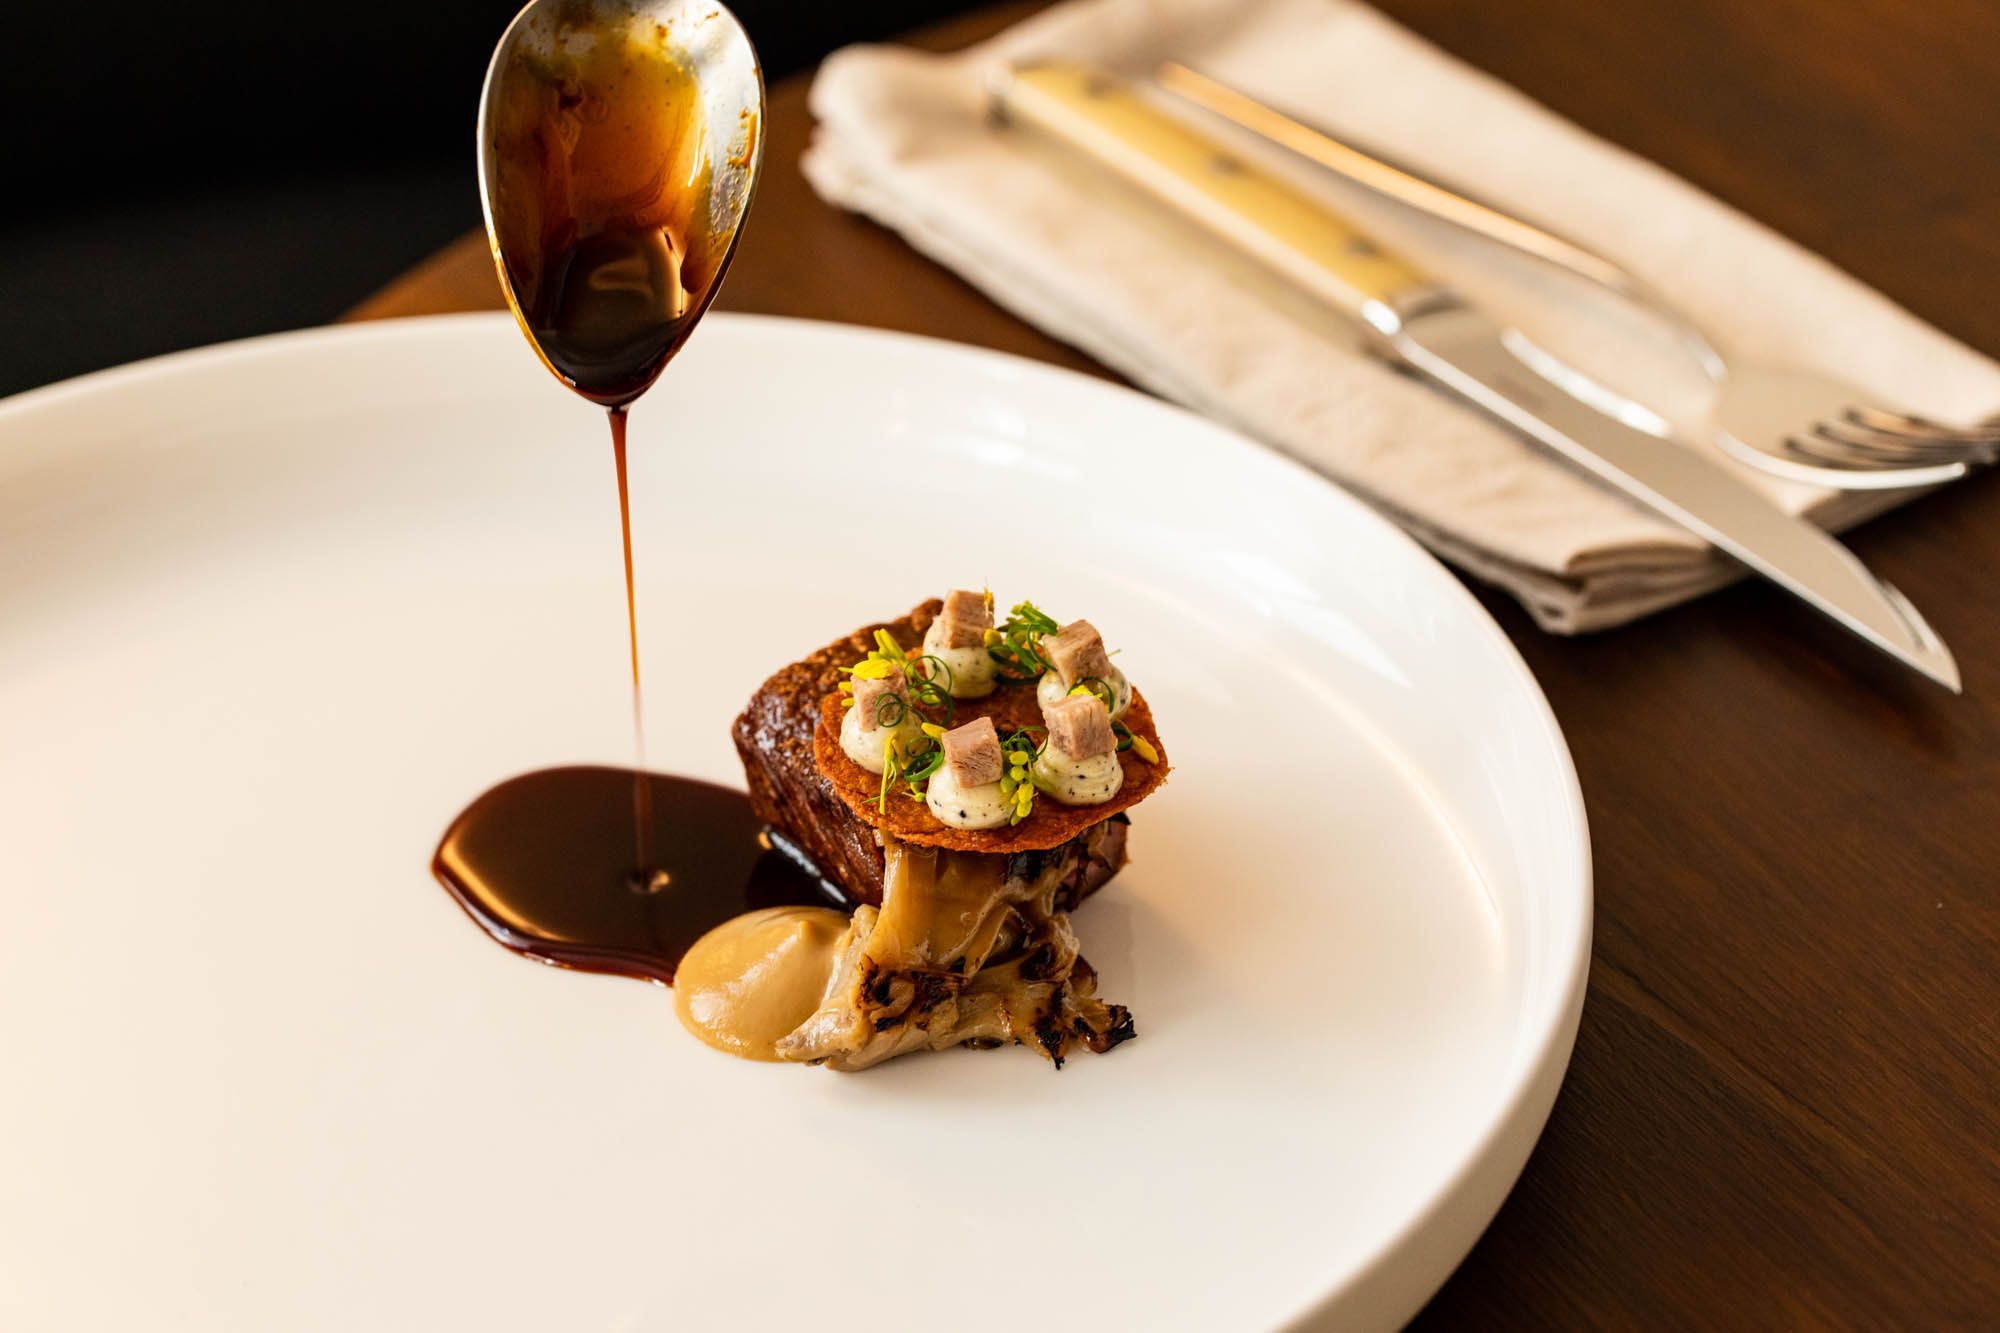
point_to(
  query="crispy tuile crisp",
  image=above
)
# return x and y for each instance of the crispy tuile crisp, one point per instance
(1011, 707)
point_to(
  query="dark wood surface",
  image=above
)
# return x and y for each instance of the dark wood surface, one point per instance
(1784, 1107)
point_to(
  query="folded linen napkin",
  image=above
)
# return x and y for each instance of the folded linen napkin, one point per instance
(905, 138)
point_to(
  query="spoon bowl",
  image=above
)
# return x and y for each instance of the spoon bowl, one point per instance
(619, 148)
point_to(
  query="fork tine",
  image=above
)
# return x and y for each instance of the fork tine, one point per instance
(1787, 459)
(1784, 458)
(1826, 445)
(1911, 423)
(1917, 427)
(1898, 448)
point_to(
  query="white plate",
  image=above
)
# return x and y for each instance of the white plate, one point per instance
(270, 614)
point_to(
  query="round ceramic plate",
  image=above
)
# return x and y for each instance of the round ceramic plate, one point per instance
(272, 613)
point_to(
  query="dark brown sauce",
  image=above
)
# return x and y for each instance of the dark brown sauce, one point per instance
(642, 792)
(543, 863)
(612, 312)
(601, 182)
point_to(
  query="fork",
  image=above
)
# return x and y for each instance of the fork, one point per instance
(1844, 444)
(1791, 423)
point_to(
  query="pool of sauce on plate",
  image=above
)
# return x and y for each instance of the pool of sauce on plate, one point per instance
(602, 198)
(542, 863)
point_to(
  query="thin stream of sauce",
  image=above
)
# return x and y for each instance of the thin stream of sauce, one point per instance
(645, 872)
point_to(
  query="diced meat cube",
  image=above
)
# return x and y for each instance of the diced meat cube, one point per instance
(972, 753)
(1079, 726)
(965, 619)
(1077, 653)
(869, 695)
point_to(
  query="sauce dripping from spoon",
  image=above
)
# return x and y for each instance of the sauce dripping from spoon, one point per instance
(645, 871)
(613, 207)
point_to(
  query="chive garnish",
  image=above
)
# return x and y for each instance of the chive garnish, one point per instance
(1129, 739)
(890, 710)
(931, 692)
(1015, 645)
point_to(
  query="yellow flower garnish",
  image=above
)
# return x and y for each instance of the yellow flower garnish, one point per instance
(892, 757)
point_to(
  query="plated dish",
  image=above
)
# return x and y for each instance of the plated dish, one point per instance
(901, 874)
(965, 785)
(295, 601)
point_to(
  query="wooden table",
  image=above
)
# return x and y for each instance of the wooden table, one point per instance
(1784, 1108)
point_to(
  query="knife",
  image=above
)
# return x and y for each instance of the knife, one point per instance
(1417, 322)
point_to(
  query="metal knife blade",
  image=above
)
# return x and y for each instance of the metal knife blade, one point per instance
(1420, 323)
(1494, 368)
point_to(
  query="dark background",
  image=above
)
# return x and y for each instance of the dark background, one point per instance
(185, 173)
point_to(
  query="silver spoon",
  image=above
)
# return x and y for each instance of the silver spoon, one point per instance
(619, 146)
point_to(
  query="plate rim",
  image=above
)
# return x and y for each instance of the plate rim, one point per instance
(1482, 1179)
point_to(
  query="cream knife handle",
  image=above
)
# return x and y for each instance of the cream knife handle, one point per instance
(1104, 120)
